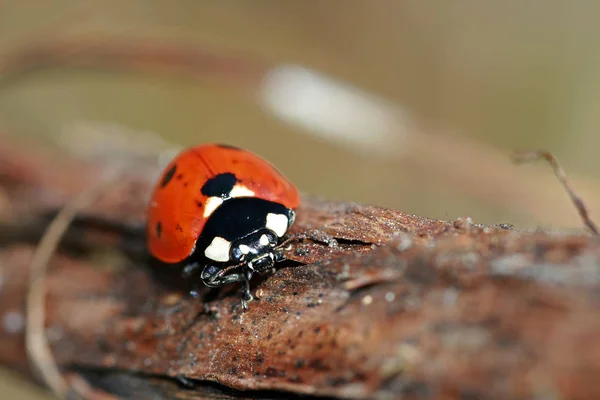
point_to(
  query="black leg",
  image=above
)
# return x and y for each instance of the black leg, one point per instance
(190, 270)
(215, 277)
(278, 254)
(246, 295)
(313, 235)
(221, 280)
(321, 237)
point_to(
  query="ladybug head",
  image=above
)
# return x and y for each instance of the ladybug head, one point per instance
(255, 249)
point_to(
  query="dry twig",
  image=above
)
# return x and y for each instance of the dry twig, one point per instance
(534, 155)
(35, 338)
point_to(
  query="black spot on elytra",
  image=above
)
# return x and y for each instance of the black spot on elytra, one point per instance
(220, 185)
(199, 204)
(158, 229)
(228, 146)
(179, 228)
(168, 176)
(179, 177)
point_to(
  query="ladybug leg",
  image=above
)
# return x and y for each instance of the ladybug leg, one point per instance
(321, 237)
(246, 295)
(190, 270)
(313, 235)
(281, 248)
(278, 252)
(213, 276)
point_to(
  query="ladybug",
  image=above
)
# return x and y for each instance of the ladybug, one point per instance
(221, 209)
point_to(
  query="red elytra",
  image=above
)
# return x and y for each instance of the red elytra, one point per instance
(177, 212)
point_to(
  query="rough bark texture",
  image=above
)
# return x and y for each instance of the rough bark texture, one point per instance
(402, 307)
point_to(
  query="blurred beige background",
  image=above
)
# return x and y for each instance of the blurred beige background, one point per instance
(466, 83)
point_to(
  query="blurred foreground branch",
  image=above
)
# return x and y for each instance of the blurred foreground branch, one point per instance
(404, 307)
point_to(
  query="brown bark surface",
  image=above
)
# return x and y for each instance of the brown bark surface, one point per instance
(399, 307)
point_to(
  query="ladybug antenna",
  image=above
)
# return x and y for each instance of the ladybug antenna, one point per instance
(295, 238)
(230, 268)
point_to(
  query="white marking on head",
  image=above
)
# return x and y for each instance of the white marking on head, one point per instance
(244, 249)
(211, 205)
(278, 223)
(241, 191)
(264, 240)
(218, 250)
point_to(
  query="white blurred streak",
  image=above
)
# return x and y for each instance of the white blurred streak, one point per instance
(333, 110)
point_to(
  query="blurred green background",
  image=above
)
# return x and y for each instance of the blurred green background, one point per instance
(429, 98)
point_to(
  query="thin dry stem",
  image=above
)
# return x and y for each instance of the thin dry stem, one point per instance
(534, 155)
(36, 342)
